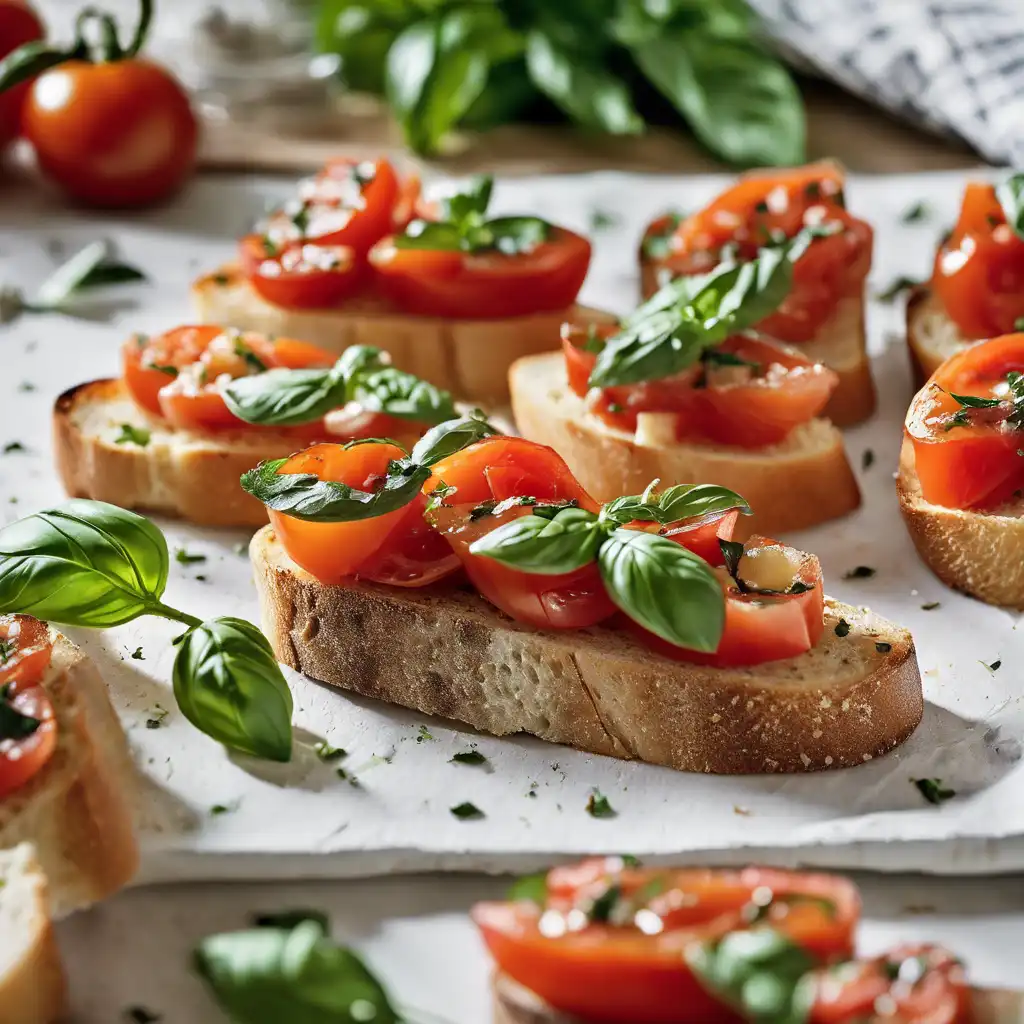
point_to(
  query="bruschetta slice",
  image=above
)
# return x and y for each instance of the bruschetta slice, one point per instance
(823, 314)
(66, 777)
(683, 390)
(607, 941)
(726, 656)
(453, 295)
(32, 984)
(961, 474)
(196, 407)
(975, 291)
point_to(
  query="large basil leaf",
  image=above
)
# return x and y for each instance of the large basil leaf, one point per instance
(684, 501)
(436, 236)
(273, 975)
(665, 588)
(761, 973)
(285, 398)
(305, 496)
(448, 438)
(739, 100)
(576, 81)
(403, 395)
(361, 33)
(229, 685)
(84, 563)
(544, 547)
(1010, 194)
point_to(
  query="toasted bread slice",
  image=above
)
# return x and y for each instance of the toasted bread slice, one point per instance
(190, 475)
(77, 810)
(978, 553)
(469, 358)
(841, 345)
(32, 984)
(805, 480)
(931, 336)
(514, 1004)
(449, 652)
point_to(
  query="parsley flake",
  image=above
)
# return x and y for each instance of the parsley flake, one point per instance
(141, 1015)
(916, 213)
(867, 460)
(424, 735)
(14, 446)
(468, 757)
(933, 791)
(896, 288)
(931, 606)
(598, 805)
(156, 717)
(327, 753)
(467, 811)
(185, 557)
(133, 435)
(860, 572)
(137, 654)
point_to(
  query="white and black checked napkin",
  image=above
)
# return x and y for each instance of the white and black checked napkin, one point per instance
(955, 66)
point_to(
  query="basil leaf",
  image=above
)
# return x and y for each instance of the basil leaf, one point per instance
(361, 34)
(575, 81)
(1010, 194)
(84, 563)
(515, 235)
(663, 344)
(974, 402)
(358, 359)
(403, 395)
(740, 101)
(684, 501)
(529, 889)
(473, 198)
(544, 547)
(305, 496)
(91, 267)
(289, 919)
(427, 234)
(448, 438)
(663, 587)
(285, 398)
(761, 974)
(229, 685)
(271, 975)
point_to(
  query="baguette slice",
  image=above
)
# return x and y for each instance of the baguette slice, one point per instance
(77, 810)
(32, 984)
(514, 1004)
(469, 358)
(978, 553)
(805, 480)
(448, 652)
(841, 344)
(931, 336)
(193, 476)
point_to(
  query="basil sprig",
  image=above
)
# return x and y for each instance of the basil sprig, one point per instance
(659, 584)
(761, 973)
(87, 563)
(463, 227)
(267, 975)
(306, 496)
(1010, 194)
(363, 374)
(668, 332)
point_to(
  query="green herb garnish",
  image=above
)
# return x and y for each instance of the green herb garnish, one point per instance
(467, 811)
(133, 435)
(469, 757)
(598, 805)
(933, 791)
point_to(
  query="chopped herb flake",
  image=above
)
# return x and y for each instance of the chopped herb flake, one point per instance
(327, 753)
(867, 460)
(933, 791)
(467, 811)
(133, 435)
(14, 446)
(994, 667)
(156, 717)
(916, 213)
(218, 809)
(424, 734)
(897, 288)
(137, 654)
(931, 606)
(842, 628)
(598, 805)
(602, 219)
(140, 1015)
(184, 557)
(469, 757)
(860, 572)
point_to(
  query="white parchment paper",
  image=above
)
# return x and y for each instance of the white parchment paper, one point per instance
(302, 819)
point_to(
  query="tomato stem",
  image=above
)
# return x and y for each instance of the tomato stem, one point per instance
(108, 47)
(142, 29)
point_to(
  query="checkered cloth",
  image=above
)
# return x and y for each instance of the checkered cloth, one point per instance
(956, 66)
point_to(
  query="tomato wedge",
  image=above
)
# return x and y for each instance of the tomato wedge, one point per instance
(911, 984)
(483, 285)
(755, 403)
(760, 626)
(177, 375)
(967, 457)
(979, 268)
(303, 275)
(28, 728)
(393, 548)
(766, 206)
(607, 973)
(701, 535)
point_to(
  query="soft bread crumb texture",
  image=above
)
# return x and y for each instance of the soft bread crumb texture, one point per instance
(931, 336)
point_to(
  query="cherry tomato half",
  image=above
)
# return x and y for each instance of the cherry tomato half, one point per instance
(303, 275)
(483, 285)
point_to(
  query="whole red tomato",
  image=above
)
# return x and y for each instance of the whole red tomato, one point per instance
(18, 25)
(110, 127)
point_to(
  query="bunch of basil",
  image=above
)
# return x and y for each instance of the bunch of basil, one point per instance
(87, 563)
(604, 64)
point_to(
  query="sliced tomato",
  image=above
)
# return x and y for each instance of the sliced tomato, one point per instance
(911, 984)
(573, 600)
(391, 548)
(483, 285)
(976, 465)
(761, 627)
(764, 206)
(302, 275)
(508, 467)
(178, 375)
(607, 974)
(352, 422)
(747, 406)
(979, 268)
(30, 737)
(702, 535)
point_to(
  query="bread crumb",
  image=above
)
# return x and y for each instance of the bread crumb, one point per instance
(805, 760)
(828, 759)
(826, 702)
(716, 718)
(742, 811)
(817, 734)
